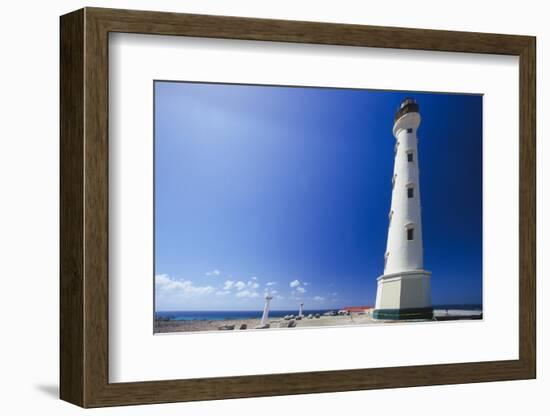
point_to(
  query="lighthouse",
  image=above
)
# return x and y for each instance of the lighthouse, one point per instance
(403, 291)
(265, 315)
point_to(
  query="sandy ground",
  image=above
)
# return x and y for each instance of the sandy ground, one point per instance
(205, 325)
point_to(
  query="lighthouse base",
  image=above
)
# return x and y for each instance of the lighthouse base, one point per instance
(404, 296)
(403, 314)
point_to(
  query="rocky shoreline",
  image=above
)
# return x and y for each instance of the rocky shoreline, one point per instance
(167, 326)
(162, 326)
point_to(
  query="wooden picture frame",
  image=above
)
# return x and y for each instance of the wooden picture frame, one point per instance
(84, 207)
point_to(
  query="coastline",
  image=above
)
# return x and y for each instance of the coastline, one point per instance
(162, 326)
(200, 325)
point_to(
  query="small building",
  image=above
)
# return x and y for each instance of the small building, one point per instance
(356, 309)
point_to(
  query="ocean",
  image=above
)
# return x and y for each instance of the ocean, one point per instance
(224, 315)
(227, 315)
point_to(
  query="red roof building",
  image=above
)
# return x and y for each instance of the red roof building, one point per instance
(356, 308)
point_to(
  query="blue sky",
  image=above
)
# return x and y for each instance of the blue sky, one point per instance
(287, 190)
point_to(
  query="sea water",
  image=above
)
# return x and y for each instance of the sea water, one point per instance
(227, 315)
(234, 315)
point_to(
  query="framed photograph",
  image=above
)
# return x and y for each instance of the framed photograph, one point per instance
(255, 207)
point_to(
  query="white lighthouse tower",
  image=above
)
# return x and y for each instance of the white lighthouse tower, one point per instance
(265, 315)
(403, 290)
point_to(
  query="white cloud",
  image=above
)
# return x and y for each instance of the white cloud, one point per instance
(270, 292)
(215, 272)
(271, 283)
(240, 285)
(166, 284)
(254, 278)
(252, 285)
(247, 294)
(305, 283)
(319, 298)
(334, 294)
(297, 286)
(222, 292)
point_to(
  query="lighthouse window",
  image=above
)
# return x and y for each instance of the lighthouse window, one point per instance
(409, 130)
(410, 234)
(409, 157)
(410, 192)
